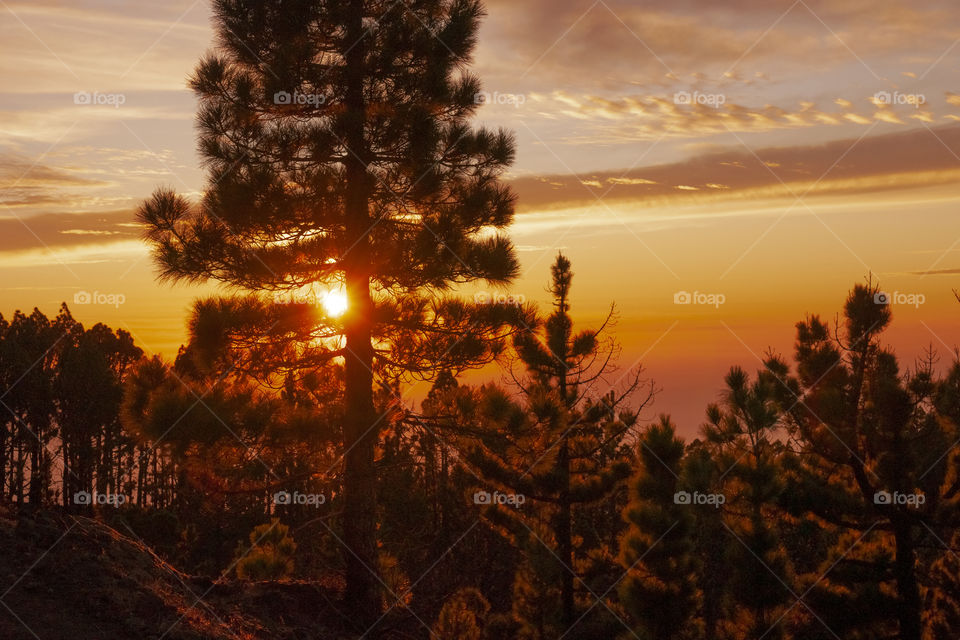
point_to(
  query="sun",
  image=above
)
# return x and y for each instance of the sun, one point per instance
(335, 303)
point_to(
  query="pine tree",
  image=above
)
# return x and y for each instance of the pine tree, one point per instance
(339, 152)
(462, 616)
(562, 367)
(742, 434)
(874, 464)
(659, 589)
(63, 385)
(560, 447)
(269, 556)
(88, 382)
(29, 343)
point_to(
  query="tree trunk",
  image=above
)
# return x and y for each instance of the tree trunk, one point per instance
(565, 538)
(3, 456)
(360, 482)
(142, 467)
(67, 485)
(36, 468)
(564, 530)
(19, 478)
(907, 589)
(361, 431)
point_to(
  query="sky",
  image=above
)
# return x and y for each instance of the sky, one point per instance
(716, 170)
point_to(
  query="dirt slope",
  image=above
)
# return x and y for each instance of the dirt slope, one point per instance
(74, 578)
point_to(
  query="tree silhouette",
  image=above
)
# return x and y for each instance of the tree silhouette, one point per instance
(742, 436)
(839, 477)
(659, 588)
(88, 383)
(461, 618)
(63, 385)
(339, 152)
(869, 435)
(561, 447)
(29, 342)
(562, 368)
(269, 554)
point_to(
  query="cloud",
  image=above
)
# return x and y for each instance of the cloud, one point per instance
(55, 119)
(16, 171)
(86, 254)
(937, 272)
(30, 184)
(909, 159)
(50, 46)
(88, 180)
(625, 119)
(57, 230)
(630, 181)
(740, 42)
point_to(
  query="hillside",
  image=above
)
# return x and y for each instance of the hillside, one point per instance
(77, 578)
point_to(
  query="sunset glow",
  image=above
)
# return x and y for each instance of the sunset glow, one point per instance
(335, 303)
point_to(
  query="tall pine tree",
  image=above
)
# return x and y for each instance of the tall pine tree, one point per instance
(874, 464)
(339, 152)
(562, 446)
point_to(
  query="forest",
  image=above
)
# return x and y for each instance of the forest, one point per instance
(819, 500)
(279, 449)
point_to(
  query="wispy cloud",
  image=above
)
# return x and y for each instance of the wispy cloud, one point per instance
(67, 230)
(914, 158)
(627, 119)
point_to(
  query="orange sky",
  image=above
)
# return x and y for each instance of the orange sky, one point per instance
(766, 154)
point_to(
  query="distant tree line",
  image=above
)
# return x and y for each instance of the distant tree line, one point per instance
(61, 431)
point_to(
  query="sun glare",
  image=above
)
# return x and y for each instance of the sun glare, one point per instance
(335, 303)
